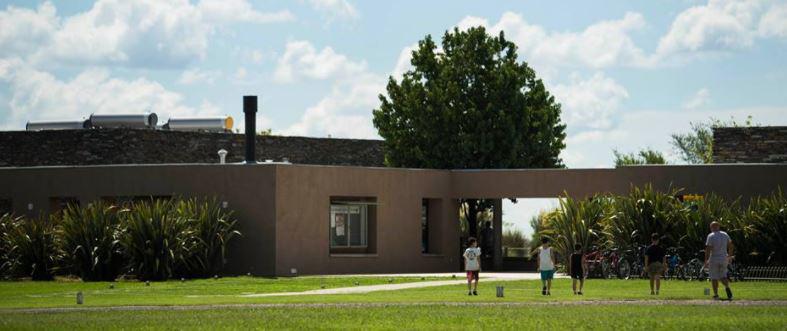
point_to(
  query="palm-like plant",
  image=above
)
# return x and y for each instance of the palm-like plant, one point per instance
(32, 249)
(634, 217)
(154, 239)
(576, 222)
(766, 219)
(90, 241)
(213, 227)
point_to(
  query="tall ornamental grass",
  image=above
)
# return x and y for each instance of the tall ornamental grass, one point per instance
(211, 229)
(757, 228)
(154, 240)
(30, 248)
(90, 241)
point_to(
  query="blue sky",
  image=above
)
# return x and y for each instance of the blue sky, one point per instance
(627, 73)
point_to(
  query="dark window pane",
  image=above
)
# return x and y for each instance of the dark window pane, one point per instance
(355, 230)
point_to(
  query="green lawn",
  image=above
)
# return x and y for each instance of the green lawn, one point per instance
(421, 308)
(436, 317)
(229, 290)
(19, 294)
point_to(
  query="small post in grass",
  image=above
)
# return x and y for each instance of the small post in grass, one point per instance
(499, 291)
(80, 298)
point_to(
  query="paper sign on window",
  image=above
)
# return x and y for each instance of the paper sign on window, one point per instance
(340, 223)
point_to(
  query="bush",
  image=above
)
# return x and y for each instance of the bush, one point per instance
(766, 227)
(576, 222)
(166, 238)
(31, 248)
(634, 217)
(90, 241)
(629, 220)
(154, 240)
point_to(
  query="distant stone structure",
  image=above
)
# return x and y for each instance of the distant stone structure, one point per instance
(130, 146)
(767, 144)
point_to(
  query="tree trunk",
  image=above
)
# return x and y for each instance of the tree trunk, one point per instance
(472, 217)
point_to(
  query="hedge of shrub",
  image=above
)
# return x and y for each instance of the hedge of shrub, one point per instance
(757, 227)
(149, 240)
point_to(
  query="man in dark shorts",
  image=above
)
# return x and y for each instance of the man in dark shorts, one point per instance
(655, 263)
(577, 269)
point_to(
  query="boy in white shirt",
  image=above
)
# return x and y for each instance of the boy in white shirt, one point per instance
(546, 265)
(472, 257)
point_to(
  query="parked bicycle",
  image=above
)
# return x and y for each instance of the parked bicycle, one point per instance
(595, 259)
(614, 264)
(695, 269)
(677, 270)
(637, 256)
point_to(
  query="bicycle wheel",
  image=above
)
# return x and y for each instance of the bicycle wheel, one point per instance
(624, 269)
(606, 271)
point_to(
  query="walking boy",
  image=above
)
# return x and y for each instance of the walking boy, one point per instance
(718, 247)
(577, 269)
(655, 263)
(472, 257)
(546, 265)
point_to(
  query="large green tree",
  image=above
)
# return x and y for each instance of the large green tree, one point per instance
(469, 105)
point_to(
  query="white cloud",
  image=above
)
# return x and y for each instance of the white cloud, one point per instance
(603, 44)
(699, 99)
(774, 22)
(723, 25)
(223, 11)
(301, 59)
(22, 30)
(346, 112)
(196, 76)
(38, 95)
(590, 103)
(162, 33)
(718, 25)
(403, 62)
(341, 9)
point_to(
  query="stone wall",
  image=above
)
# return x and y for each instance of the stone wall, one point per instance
(126, 146)
(750, 145)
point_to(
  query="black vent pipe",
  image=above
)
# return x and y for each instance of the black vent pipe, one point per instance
(250, 110)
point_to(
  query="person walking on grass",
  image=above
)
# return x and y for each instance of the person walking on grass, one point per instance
(472, 257)
(577, 269)
(718, 251)
(655, 263)
(546, 265)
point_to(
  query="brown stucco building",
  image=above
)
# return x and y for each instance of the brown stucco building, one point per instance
(313, 219)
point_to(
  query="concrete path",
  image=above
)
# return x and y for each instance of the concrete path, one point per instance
(460, 279)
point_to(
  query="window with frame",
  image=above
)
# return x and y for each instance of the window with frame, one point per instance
(349, 225)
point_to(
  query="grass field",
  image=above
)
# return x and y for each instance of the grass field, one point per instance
(601, 317)
(681, 305)
(26, 294)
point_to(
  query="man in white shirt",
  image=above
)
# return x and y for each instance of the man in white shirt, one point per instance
(472, 257)
(718, 251)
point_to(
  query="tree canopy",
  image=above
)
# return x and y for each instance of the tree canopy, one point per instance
(469, 105)
(645, 156)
